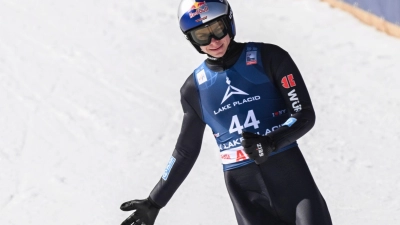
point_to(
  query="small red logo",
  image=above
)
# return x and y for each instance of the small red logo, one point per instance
(241, 155)
(197, 9)
(288, 81)
(225, 156)
(196, 5)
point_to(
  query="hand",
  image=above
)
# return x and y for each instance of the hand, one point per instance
(145, 214)
(257, 147)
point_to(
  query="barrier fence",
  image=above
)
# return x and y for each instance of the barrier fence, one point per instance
(382, 14)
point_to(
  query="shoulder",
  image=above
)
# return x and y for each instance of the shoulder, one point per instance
(189, 92)
(190, 98)
(188, 86)
(272, 55)
(266, 47)
(272, 49)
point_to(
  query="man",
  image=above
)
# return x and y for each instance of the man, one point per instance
(254, 99)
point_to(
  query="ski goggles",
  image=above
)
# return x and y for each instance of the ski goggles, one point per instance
(202, 35)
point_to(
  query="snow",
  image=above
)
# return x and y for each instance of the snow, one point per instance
(90, 111)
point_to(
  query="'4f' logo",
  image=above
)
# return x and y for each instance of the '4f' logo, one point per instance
(288, 81)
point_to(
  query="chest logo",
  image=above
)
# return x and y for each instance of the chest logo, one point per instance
(201, 77)
(232, 91)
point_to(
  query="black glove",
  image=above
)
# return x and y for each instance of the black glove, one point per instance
(257, 147)
(146, 212)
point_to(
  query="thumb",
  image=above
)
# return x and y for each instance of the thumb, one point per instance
(247, 135)
(131, 205)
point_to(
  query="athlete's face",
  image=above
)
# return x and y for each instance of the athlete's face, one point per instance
(217, 48)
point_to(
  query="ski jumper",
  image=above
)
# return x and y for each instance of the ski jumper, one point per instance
(256, 88)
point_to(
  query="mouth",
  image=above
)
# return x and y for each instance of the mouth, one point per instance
(214, 49)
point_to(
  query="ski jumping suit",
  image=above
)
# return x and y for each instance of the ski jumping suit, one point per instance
(256, 88)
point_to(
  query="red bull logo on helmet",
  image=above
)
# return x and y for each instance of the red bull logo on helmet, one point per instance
(196, 5)
(200, 7)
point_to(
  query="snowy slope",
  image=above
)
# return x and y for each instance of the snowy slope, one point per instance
(90, 112)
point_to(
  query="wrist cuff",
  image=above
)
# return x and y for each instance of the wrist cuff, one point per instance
(154, 203)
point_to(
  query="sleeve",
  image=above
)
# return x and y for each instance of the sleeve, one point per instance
(287, 78)
(187, 147)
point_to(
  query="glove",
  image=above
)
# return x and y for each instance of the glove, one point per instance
(145, 214)
(257, 147)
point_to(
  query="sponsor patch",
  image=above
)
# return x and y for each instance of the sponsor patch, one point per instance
(278, 113)
(201, 19)
(251, 58)
(169, 167)
(288, 81)
(295, 100)
(201, 77)
(198, 8)
(260, 150)
(196, 5)
(290, 122)
(233, 155)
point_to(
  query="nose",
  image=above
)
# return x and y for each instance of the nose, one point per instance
(213, 40)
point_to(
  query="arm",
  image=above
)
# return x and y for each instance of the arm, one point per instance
(284, 73)
(287, 78)
(183, 158)
(187, 147)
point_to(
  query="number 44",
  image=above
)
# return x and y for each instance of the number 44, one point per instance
(250, 121)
